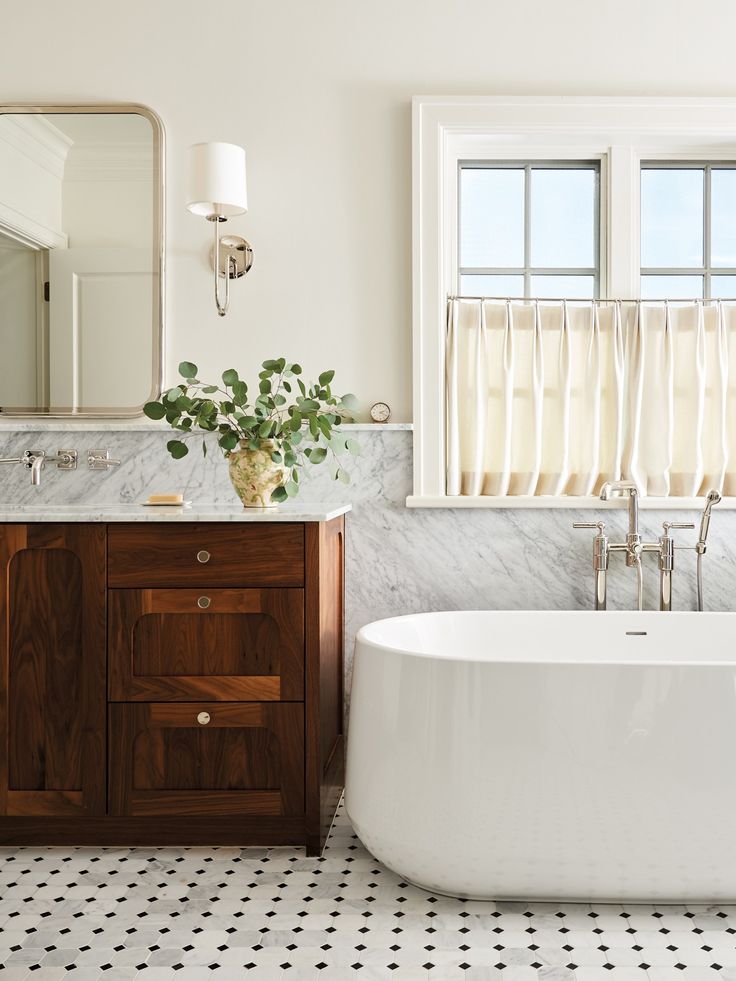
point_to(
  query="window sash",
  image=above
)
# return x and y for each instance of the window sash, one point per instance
(527, 271)
(708, 271)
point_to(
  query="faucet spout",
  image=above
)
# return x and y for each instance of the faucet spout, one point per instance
(618, 487)
(34, 461)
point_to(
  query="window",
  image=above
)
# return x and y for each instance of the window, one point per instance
(688, 230)
(640, 195)
(529, 229)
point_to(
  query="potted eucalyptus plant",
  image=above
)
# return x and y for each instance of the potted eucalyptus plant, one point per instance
(267, 437)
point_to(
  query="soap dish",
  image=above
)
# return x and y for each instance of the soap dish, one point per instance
(164, 504)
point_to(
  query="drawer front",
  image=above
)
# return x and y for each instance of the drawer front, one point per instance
(206, 644)
(206, 758)
(192, 554)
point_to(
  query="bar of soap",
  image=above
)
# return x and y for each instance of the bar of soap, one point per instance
(166, 499)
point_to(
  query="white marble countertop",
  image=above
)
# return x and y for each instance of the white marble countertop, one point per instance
(197, 512)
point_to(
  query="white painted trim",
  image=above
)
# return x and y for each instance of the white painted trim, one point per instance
(29, 232)
(562, 503)
(109, 162)
(619, 131)
(37, 139)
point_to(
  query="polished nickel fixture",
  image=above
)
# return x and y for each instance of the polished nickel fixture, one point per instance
(36, 460)
(218, 191)
(633, 547)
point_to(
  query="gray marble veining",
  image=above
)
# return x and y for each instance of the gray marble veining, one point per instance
(400, 560)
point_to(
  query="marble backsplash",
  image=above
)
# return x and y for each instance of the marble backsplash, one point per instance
(398, 560)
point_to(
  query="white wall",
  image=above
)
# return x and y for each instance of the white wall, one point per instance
(323, 109)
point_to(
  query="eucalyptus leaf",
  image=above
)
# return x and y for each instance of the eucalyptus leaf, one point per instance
(154, 410)
(279, 494)
(228, 441)
(188, 370)
(177, 449)
(326, 377)
(229, 377)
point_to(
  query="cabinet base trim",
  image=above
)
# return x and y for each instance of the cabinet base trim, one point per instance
(149, 832)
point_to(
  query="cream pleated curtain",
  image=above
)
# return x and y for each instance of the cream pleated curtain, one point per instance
(554, 398)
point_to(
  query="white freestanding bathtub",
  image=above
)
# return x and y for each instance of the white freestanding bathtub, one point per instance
(586, 756)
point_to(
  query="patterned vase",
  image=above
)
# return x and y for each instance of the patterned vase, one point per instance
(254, 475)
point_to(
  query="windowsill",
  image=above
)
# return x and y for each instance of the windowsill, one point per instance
(569, 503)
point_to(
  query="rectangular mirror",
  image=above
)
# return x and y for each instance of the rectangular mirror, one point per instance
(81, 259)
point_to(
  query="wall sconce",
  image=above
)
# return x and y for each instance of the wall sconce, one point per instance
(217, 191)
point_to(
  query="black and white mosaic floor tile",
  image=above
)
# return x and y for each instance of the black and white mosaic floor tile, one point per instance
(201, 914)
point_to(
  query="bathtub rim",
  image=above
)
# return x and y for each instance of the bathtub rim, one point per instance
(634, 620)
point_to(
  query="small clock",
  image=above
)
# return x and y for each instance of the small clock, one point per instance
(380, 412)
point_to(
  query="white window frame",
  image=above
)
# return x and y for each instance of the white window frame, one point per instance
(621, 133)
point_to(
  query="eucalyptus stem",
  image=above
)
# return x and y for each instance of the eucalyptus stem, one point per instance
(313, 414)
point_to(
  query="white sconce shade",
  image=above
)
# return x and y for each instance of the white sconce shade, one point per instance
(217, 181)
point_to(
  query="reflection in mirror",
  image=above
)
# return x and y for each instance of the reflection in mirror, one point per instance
(81, 247)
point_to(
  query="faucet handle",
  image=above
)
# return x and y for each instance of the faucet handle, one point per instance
(675, 524)
(600, 525)
(101, 460)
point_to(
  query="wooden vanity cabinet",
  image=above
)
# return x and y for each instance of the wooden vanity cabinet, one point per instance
(171, 683)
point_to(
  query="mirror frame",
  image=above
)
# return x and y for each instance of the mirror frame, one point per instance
(158, 252)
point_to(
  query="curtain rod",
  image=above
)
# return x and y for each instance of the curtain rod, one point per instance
(559, 299)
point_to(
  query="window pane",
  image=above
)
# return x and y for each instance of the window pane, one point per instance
(491, 217)
(500, 286)
(671, 217)
(723, 217)
(723, 287)
(563, 204)
(671, 287)
(564, 287)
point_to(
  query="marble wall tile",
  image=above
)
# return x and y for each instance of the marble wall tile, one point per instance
(400, 560)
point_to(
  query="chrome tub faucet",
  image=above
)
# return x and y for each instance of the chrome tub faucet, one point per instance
(634, 547)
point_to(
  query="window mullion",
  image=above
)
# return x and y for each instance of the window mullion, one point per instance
(527, 229)
(707, 258)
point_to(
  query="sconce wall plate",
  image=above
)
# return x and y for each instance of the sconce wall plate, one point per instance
(236, 256)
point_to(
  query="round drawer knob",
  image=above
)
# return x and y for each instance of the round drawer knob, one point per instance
(203, 602)
(203, 556)
(203, 718)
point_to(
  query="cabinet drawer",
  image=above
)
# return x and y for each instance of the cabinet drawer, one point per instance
(193, 554)
(206, 758)
(215, 644)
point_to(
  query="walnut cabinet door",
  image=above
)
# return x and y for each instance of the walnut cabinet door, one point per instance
(206, 644)
(52, 670)
(207, 758)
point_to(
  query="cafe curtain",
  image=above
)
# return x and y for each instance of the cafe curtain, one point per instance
(554, 398)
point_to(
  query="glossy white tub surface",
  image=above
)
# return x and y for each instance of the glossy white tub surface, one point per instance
(548, 755)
